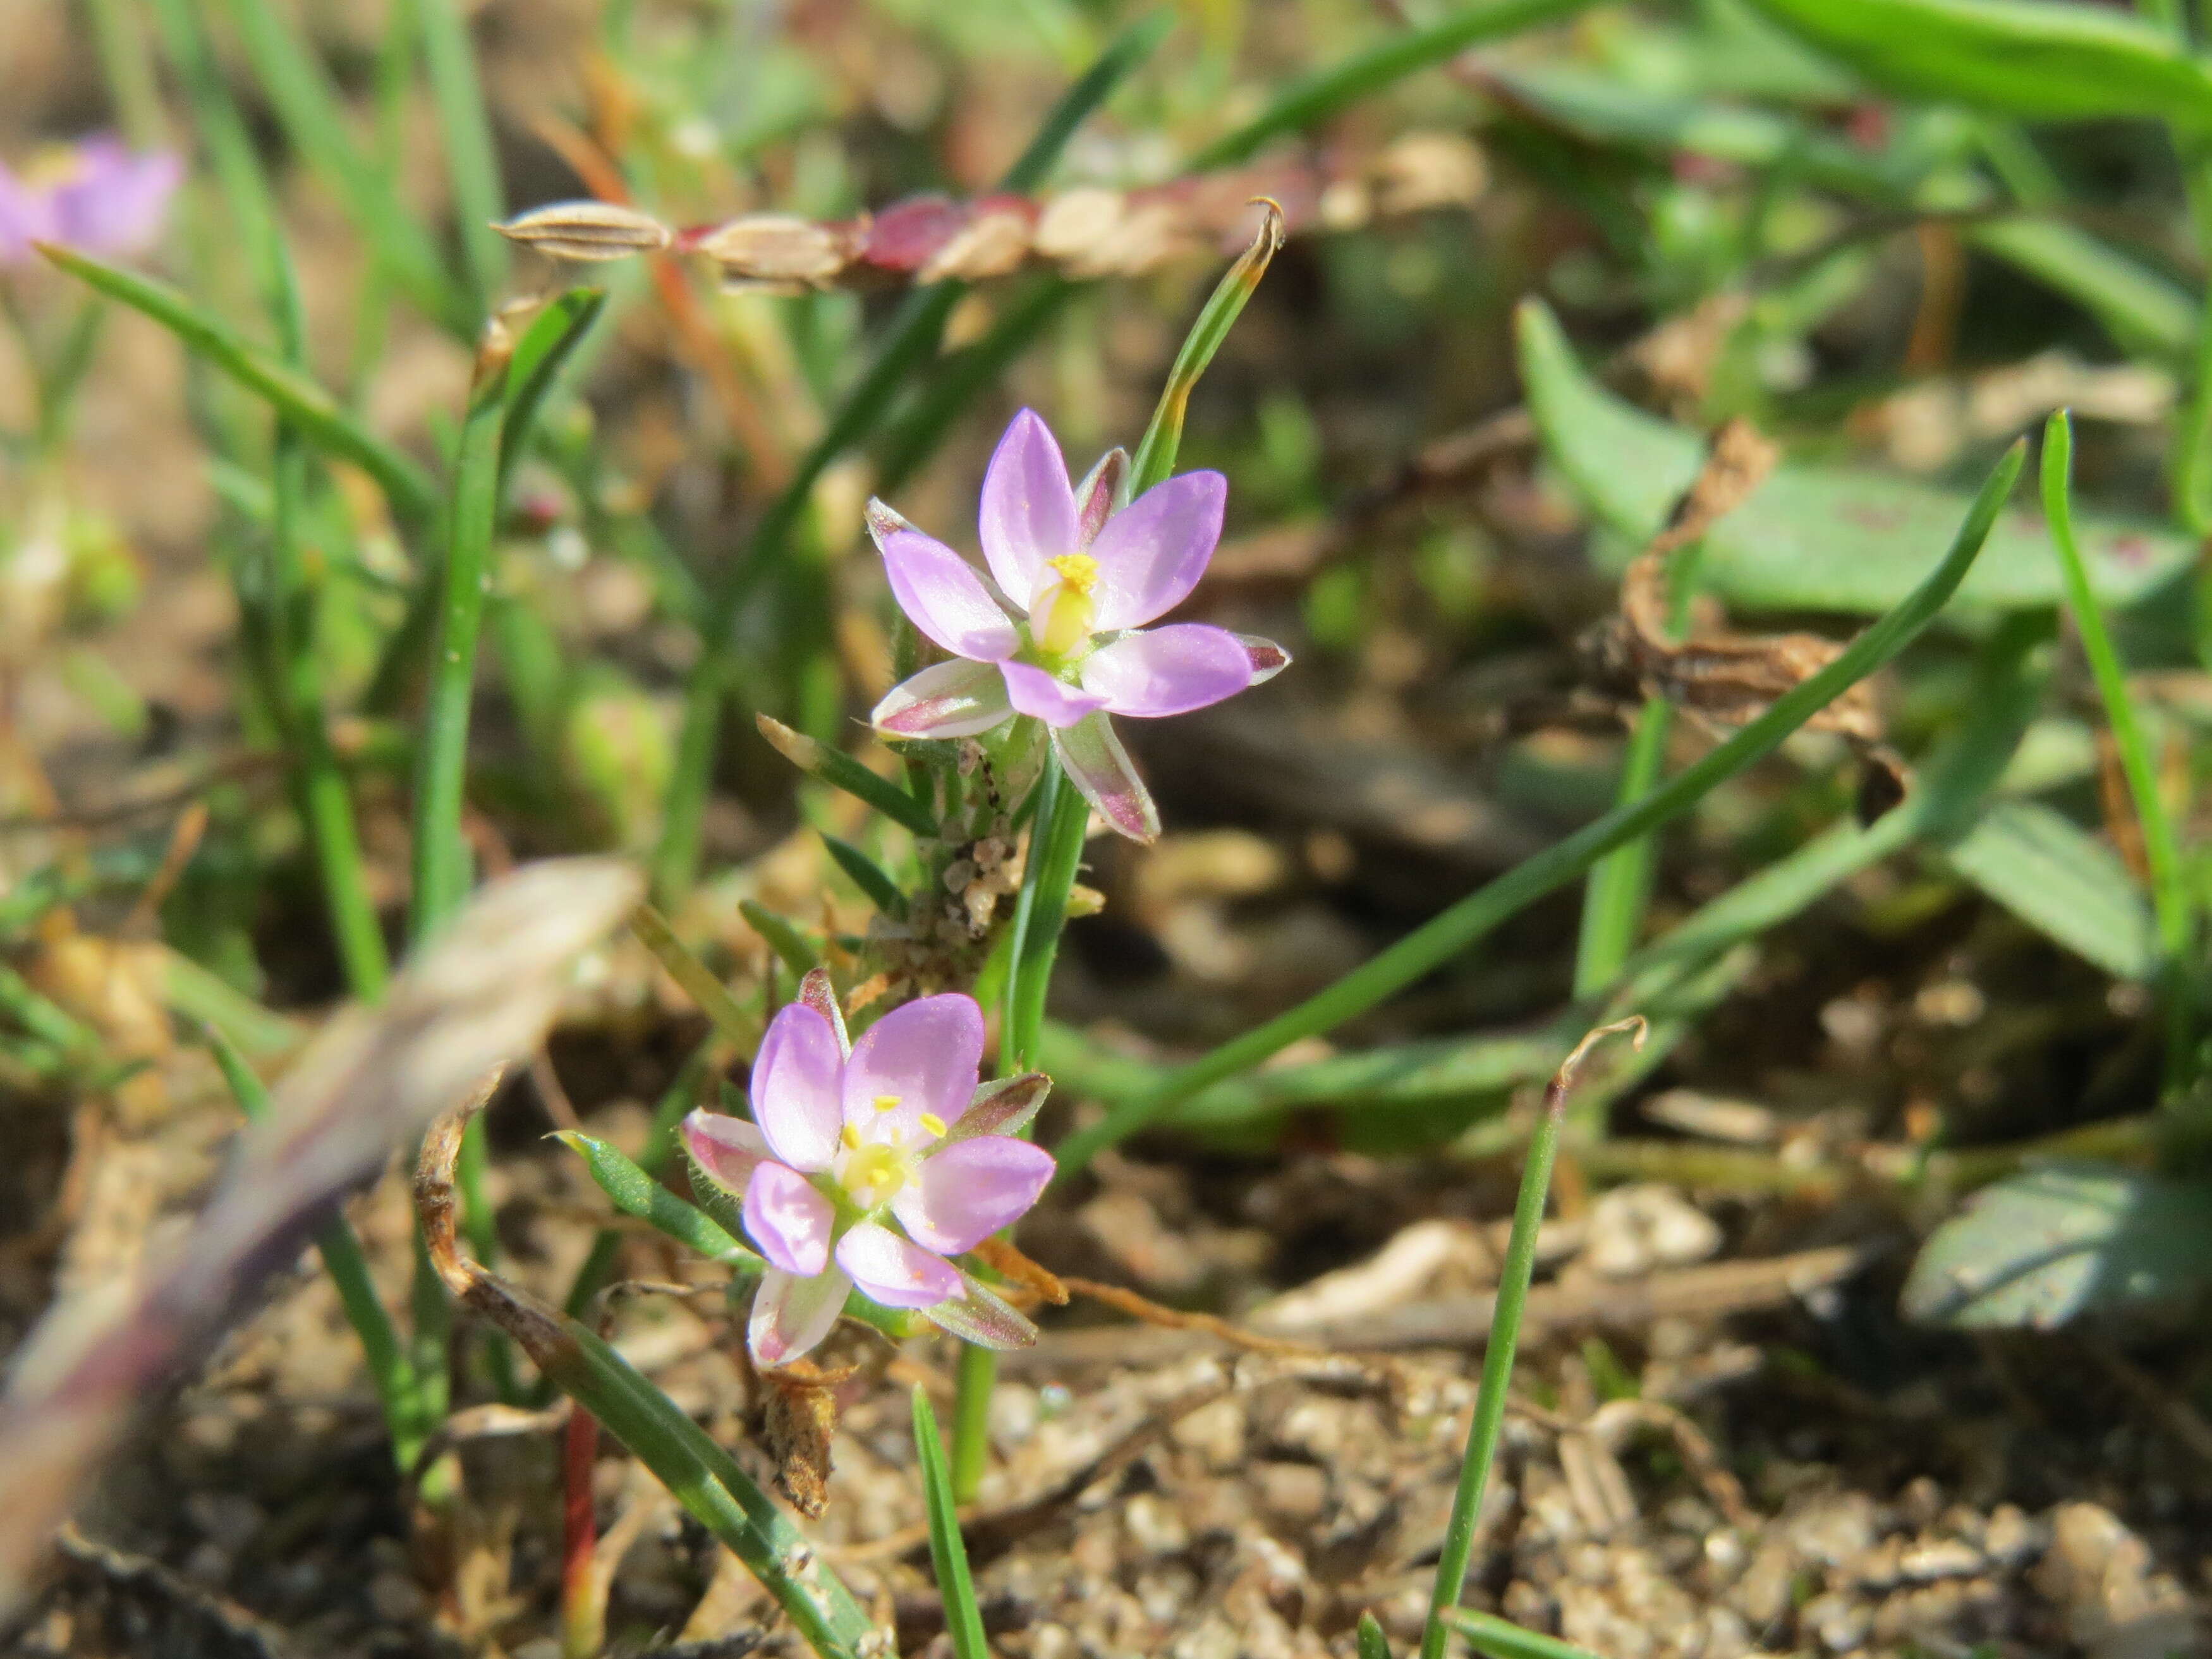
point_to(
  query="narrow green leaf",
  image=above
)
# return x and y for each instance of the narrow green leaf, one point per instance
(1156, 453)
(867, 875)
(1445, 936)
(2036, 1249)
(782, 937)
(2064, 883)
(699, 982)
(2042, 59)
(706, 1479)
(2146, 313)
(1373, 1644)
(840, 771)
(948, 1551)
(1501, 1638)
(637, 1195)
(544, 348)
(1810, 538)
(412, 495)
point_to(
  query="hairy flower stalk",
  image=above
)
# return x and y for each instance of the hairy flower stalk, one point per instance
(866, 1165)
(1059, 635)
(95, 196)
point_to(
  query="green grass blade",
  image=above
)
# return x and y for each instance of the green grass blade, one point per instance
(700, 982)
(1438, 940)
(782, 937)
(867, 875)
(1155, 452)
(440, 850)
(2042, 59)
(390, 1371)
(543, 350)
(948, 1552)
(1513, 1277)
(314, 119)
(1373, 1644)
(597, 1265)
(841, 771)
(1502, 1638)
(409, 489)
(471, 160)
(1320, 96)
(637, 1195)
(2169, 889)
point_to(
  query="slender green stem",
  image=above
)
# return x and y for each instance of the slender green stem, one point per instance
(1513, 1277)
(1436, 942)
(129, 67)
(948, 1552)
(911, 339)
(2169, 886)
(974, 1379)
(1619, 885)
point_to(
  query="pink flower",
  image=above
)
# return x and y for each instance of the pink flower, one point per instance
(94, 196)
(866, 1164)
(1059, 635)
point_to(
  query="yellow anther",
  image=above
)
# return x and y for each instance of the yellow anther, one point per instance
(874, 1174)
(931, 1122)
(1078, 570)
(850, 1138)
(886, 1102)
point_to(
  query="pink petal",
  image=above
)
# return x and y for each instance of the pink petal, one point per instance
(791, 1315)
(1001, 1108)
(956, 699)
(1038, 693)
(725, 1150)
(796, 1085)
(981, 1315)
(27, 216)
(119, 202)
(1168, 671)
(942, 596)
(1093, 757)
(1152, 553)
(893, 1271)
(1095, 495)
(1028, 511)
(925, 1054)
(788, 1219)
(970, 1190)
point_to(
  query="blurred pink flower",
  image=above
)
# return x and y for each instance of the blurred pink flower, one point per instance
(1061, 636)
(866, 1166)
(94, 196)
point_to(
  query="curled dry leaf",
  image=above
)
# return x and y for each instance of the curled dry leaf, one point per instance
(1719, 677)
(482, 996)
(799, 1422)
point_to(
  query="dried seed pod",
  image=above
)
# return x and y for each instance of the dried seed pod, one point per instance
(990, 244)
(587, 231)
(779, 249)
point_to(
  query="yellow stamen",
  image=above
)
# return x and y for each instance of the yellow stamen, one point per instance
(886, 1102)
(850, 1138)
(1080, 571)
(934, 1124)
(875, 1173)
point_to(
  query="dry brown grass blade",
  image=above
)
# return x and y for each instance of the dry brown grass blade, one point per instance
(480, 997)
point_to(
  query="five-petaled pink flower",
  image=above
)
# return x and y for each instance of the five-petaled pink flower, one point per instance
(867, 1164)
(95, 196)
(1063, 637)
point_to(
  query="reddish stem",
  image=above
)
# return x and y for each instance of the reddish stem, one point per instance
(583, 1611)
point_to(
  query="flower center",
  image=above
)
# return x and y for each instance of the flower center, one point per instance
(53, 166)
(874, 1173)
(1060, 619)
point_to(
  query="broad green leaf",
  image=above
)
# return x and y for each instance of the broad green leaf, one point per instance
(2043, 59)
(293, 395)
(1811, 537)
(2064, 883)
(2038, 1248)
